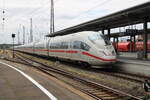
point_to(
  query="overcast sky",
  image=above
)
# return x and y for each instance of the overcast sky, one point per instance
(67, 13)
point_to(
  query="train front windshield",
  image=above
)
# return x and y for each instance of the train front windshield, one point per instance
(97, 38)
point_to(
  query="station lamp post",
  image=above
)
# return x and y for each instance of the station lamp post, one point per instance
(13, 37)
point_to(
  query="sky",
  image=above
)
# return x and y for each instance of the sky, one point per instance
(67, 13)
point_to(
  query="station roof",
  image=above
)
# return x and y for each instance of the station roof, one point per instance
(122, 18)
(129, 32)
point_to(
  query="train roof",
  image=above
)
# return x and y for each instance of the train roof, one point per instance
(26, 45)
(83, 33)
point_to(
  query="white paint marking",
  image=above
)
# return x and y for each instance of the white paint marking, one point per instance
(33, 81)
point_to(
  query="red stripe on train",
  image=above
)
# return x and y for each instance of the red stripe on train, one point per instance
(73, 51)
(56, 50)
(69, 51)
(39, 50)
(99, 58)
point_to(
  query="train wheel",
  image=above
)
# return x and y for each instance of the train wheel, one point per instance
(57, 59)
(86, 65)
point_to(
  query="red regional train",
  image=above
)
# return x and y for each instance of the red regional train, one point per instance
(128, 46)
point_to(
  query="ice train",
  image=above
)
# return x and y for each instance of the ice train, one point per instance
(87, 47)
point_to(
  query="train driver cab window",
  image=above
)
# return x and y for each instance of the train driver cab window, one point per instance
(107, 42)
(81, 45)
(93, 38)
(84, 46)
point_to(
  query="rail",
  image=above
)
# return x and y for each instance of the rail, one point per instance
(95, 90)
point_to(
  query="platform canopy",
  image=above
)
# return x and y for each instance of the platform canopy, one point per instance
(130, 16)
(129, 32)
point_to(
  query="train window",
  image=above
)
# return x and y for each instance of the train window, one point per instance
(52, 45)
(77, 45)
(80, 45)
(64, 45)
(58, 45)
(106, 40)
(84, 46)
(95, 37)
(139, 40)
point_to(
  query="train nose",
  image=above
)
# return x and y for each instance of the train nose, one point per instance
(109, 53)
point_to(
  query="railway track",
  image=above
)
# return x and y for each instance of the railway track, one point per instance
(127, 76)
(95, 90)
(122, 75)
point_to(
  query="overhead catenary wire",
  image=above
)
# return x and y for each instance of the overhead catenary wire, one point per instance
(52, 29)
(37, 9)
(32, 13)
(52, 16)
(100, 4)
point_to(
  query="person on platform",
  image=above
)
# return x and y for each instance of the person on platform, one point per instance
(146, 86)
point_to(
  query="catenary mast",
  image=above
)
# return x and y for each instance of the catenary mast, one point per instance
(52, 26)
(31, 31)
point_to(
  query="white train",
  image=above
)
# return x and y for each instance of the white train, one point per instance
(89, 47)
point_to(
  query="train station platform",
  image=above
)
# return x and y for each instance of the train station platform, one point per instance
(129, 62)
(127, 57)
(14, 86)
(134, 61)
(130, 55)
(22, 83)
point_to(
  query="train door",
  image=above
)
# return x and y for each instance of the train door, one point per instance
(33, 48)
(48, 47)
(51, 47)
(85, 48)
(69, 54)
(76, 52)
